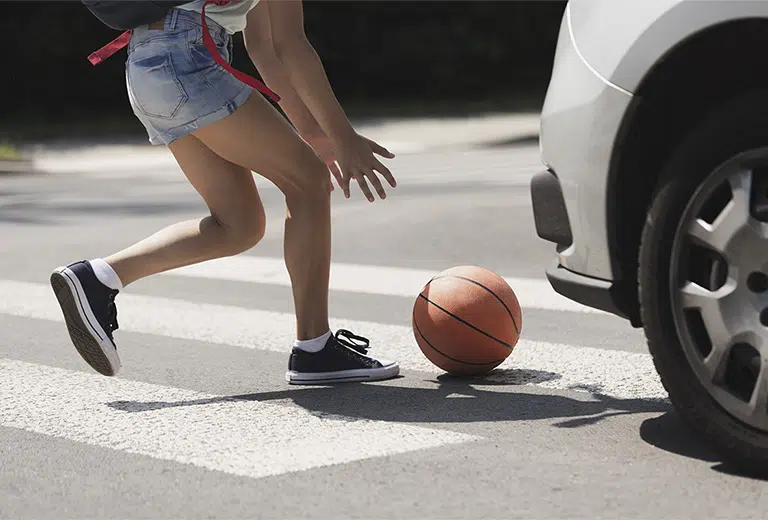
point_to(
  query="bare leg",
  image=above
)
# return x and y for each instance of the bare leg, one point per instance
(218, 160)
(259, 139)
(236, 223)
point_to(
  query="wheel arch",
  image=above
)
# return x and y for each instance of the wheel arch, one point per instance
(702, 72)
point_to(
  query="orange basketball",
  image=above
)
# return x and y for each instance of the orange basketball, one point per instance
(467, 320)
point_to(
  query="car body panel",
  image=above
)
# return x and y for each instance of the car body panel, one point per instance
(604, 50)
(623, 39)
(579, 120)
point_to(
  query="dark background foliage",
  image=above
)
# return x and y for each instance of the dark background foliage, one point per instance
(392, 57)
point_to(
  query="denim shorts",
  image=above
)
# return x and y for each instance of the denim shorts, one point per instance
(174, 86)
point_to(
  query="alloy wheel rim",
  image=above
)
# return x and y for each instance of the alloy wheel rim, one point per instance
(719, 286)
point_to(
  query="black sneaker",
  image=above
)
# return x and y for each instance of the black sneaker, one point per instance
(341, 360)
(90, 314)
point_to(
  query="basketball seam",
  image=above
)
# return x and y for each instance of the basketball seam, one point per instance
(514, 321)
(510, 347)
(416, 325)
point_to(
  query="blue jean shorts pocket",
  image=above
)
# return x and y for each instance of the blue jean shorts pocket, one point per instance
(174, 85)
(154, 85)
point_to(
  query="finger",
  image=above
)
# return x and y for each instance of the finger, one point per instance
(329, 159)
(364, 186)
(337, 174)
(344, 183)
(335, 171)
(384, 171)
(376, 184)
(380, 149)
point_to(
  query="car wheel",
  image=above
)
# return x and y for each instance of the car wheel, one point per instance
(703, 280)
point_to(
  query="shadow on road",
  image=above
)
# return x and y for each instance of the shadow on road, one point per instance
(669, 433)
(451, 400)
(460, 400)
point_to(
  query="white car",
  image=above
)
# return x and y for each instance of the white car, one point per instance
(654, 135)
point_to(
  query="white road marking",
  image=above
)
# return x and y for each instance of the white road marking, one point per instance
(460, 396)
(106, 159)
(618, 374)
(413, 165)
(239, 437)
(401, 136)
(368, 279)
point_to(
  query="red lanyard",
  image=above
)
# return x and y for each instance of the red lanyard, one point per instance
(121, 41)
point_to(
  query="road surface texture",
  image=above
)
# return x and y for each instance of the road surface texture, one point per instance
(201, 423)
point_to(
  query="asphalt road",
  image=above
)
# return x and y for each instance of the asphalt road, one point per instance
(201, 423)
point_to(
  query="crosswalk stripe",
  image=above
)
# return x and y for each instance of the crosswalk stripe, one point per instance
(236, 436)
(409, 168)
(614, 373)
(369, 279)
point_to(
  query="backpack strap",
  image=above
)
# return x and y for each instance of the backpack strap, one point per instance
(245, 78)
(109, 49)
(121, 41)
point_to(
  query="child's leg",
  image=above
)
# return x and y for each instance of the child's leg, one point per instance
(86, 290)
(236, 222)
(258, 138)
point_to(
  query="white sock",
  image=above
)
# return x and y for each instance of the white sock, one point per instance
(313, 345)
(106, 274)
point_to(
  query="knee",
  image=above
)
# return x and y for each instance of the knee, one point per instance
(312, 182)
(244, 233)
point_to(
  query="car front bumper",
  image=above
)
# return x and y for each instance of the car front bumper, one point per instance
(580, 119)
(551, 220)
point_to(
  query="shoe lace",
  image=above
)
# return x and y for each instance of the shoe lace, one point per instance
(349, 339)
(112, 312)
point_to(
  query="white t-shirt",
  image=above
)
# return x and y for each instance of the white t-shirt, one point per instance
(231, 16)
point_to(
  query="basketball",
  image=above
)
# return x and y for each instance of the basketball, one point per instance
(467, 320)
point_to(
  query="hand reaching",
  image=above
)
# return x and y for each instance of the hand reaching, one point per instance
(357, 161)
(324, 148)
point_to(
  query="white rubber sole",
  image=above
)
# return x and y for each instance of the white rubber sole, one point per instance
(342, 376)
(88, 337)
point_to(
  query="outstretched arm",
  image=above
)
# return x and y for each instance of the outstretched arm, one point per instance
(261, 50)
(302, 68)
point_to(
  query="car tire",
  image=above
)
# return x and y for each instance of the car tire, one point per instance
(725, 134)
